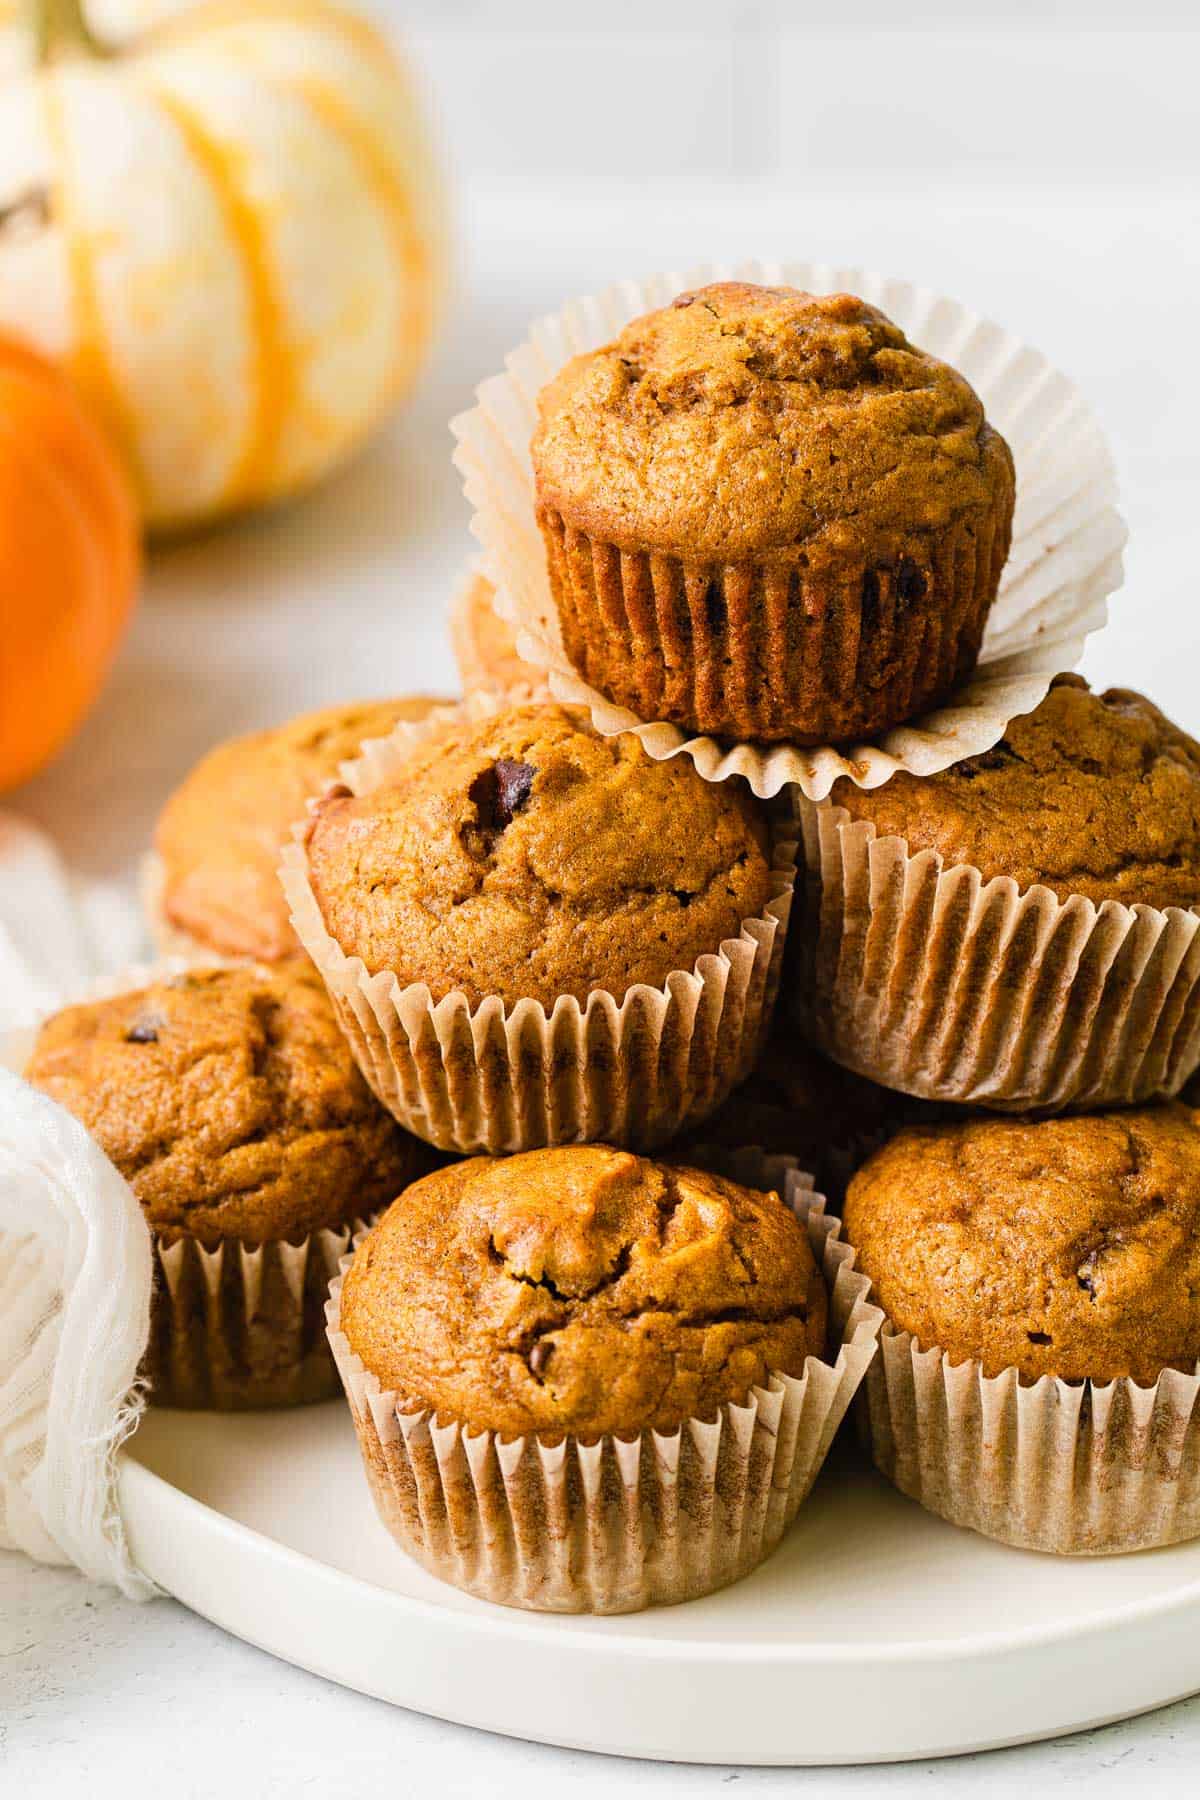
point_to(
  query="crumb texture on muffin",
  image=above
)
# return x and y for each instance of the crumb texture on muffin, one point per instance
(525, 855)
(1065, 1247)
(221, 832)
(1092, 794)
(581, 1290)
(230, 1102)
(742, 420)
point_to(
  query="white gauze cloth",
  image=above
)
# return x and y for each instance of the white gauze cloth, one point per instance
(75, 1259)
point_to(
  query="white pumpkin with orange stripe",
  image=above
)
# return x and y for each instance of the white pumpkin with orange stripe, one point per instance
(231, 232)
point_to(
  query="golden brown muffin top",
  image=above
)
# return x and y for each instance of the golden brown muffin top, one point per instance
(221, 832)
(525, 855)
(230, 1102)
(1058, 1247)
(745, 421)
(582, 1290)
(1093, 794)
(485, 645)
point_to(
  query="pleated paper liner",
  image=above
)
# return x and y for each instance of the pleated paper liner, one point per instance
(1064, 561)
(633, 1072)
(617, 1525)
(235, 1325)
(930, 980)
(1074, 1468)
(240, 1325)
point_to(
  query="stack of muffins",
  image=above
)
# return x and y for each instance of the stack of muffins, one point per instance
(562, 1020)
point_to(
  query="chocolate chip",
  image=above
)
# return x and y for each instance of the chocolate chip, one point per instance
(499, 792)
(998, 757)
(1085, 1273)
(539, 1356)
(684, 300)
(145, 1030)
(1039, 1337)
(910, 583)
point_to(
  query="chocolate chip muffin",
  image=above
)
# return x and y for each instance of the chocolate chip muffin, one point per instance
(1038, 1378)
(1063, 1247)
(485, 645)
(527, 857)
(1020, 931)
(769, 516)
(213, 884)
(618, 1351)
(581, 1290)
(1092, 794)
(230, 1102)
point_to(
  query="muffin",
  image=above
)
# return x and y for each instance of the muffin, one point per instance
(797, 1103)
(213, 883)
(231, 1104)
(768, 516)
(1020, 930)
(485, 645)
(535, 934)
(1040, 1375)
(584, 1373)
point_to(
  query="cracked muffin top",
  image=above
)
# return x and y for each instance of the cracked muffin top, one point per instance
(1058, 1247)
(221, 832)
(744, 420)
(582, 1290)
(1092, 794)
(230, 1102)
(524, 855)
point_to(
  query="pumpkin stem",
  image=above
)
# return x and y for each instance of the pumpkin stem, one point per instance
(60, 28)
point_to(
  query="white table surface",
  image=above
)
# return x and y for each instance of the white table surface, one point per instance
(343, 595)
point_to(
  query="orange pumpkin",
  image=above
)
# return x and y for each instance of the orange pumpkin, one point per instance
(69, 560)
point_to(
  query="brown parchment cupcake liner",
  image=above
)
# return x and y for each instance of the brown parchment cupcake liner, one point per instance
(631, 1073)
(1075, 1468)
(930, 980)
(616, 1525)
(770, 652)
(240, 1325)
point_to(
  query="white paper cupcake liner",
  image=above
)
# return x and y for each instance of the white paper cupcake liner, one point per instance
(487, 1078)
(930, 980)
(617, 1525)
(1074, 1468)
(1064, 562)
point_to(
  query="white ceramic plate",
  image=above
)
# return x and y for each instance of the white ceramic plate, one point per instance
(876, 1632)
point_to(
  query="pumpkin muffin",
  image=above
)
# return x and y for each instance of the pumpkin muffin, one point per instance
(1055, 1247)
(527, 857)
(214, 884)
(230, 1102)
(769, 516)
(1020, 931)
(569, 1317)
(1092, 794)
(1022, 1249)
(485, 645)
